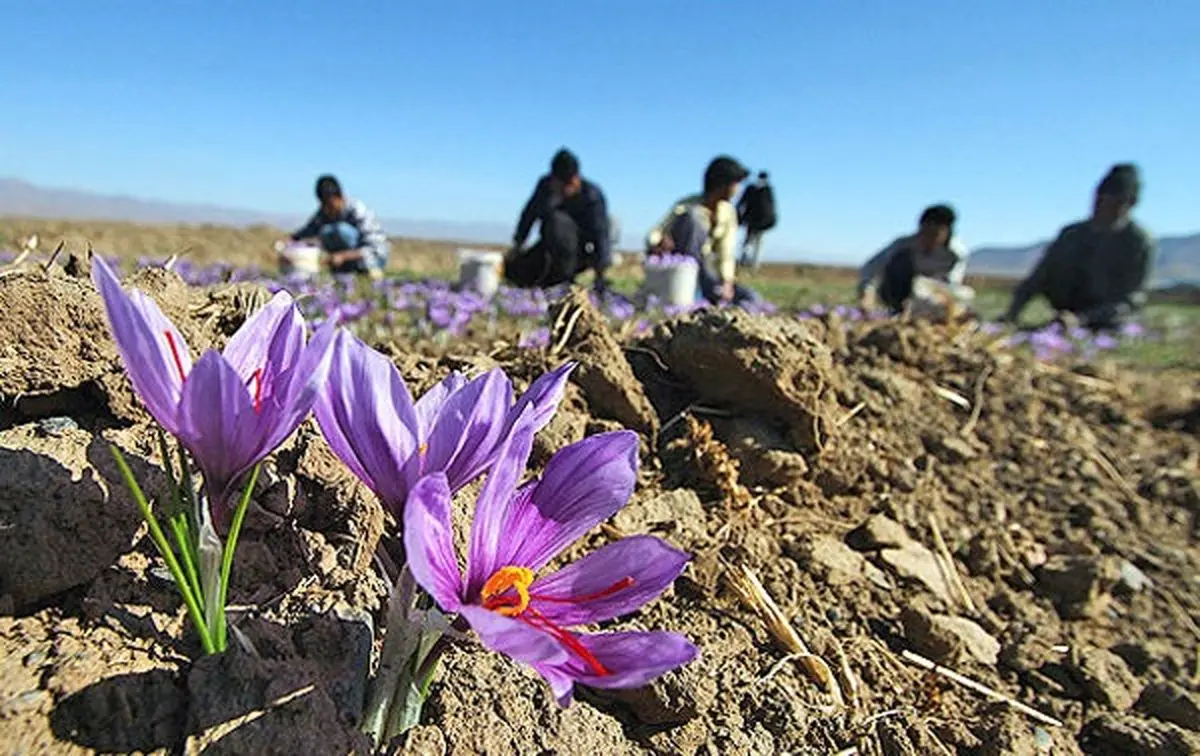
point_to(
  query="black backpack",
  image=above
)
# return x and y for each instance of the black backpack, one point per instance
(757, 209)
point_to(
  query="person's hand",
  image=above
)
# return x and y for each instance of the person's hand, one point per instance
(1068, 319)
(727, 291)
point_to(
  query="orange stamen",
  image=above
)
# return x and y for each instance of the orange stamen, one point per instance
(504, 580)
(175, 353)
(507, 593)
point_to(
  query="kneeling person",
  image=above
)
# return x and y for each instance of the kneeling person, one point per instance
(1096, 269)
(890, 277)
(574, 233)
(347, 231)
(704, 226)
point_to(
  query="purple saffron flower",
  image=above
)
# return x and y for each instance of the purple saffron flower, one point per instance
(229, 410)
(517, 531)
(386, 439)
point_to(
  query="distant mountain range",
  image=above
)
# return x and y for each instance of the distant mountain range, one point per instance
(1179, 256)
(1178, 261)
(19, 197)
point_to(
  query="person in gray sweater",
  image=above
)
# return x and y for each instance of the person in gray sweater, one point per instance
(1097, 269)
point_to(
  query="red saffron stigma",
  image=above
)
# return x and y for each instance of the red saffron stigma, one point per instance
(616, 587)
(564, 637)
(175, 353)
(258, 383)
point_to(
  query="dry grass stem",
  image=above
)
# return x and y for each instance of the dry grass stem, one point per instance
(750, 591)
(978, 687)
(977, 405)
(950, 396)
(949, 571)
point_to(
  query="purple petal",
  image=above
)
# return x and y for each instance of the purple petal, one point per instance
(466, 435)
(217, 423)
(491, 536)
(366, 414)
(543, 396)
(594, 588)
(429, 541)
(514, 638)
(431, 402)
(276, 330)
(140, 331)
(290, 394)
(584, 484)
(632, 659)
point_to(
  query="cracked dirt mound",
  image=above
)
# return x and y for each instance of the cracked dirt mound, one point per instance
(829, 460)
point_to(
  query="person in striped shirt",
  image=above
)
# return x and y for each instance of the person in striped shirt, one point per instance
(348, 232)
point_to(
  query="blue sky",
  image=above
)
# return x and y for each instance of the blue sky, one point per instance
(863, 110)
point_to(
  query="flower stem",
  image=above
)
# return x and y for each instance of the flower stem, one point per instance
(178, 521)
(239, 515)
(183, 538)
(400, 641)
(164, 548)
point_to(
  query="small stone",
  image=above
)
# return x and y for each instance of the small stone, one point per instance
(834, 562)
(915, 562)
(56, 426)
(879, 532)
(954, 450)
(1078, 585)
(1132, 578)
(1171, 703)
(1124, 734)
(948, 639)
(1106, 678)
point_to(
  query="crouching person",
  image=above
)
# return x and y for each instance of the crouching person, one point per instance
(348, 233)
(921, 273)
(704, 227)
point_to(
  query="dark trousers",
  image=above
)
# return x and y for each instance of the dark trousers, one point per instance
(558, 256)
(897, 284)
(689, 237)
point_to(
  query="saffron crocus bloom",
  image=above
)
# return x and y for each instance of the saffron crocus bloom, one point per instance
(386, 439)
(231, 409)
(517, 531)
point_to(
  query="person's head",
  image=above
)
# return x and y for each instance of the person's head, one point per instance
(723, 177)
(329, 194)
(1117, 194)
(564, 169)
(935, 227)
(762, 177)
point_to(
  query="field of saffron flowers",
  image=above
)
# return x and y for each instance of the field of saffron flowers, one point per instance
(241, 514)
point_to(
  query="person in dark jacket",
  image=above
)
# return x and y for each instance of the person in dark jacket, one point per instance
(573, 230)
(756, 211)
(1097, 269)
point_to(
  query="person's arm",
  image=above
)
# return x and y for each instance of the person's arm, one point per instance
(725, 244)
(602, 243)
(658, 237)
(309, 229)
(1122, 288)
(742, 205)
(959, 271)
(373, 244)
(534, 209)
(870, 275)
(1035, 282)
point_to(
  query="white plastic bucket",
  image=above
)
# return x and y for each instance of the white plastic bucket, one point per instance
(672, 283)
(480, 271)
(304, 259)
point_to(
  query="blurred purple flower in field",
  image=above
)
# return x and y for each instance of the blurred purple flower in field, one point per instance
(538, 338)
(1133, 330)
(1106, 341)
